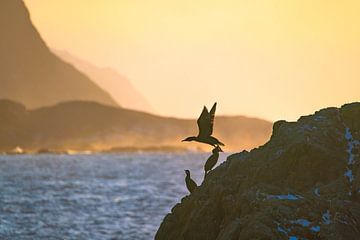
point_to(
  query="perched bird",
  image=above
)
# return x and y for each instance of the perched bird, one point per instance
(206, 124)
(190, 184)
(212, 160)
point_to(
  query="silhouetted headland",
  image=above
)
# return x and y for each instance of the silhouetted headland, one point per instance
(30, 73)
(89, 126)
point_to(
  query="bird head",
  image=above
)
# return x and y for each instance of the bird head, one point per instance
(217, 149)
(189, 139)
(187, 172)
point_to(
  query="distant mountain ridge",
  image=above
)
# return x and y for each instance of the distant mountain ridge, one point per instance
(91, 126)
(118, 86)
(30, 73)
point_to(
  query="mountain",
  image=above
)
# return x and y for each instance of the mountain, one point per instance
(118, 86)
(29, 72)
(80, 125)
(302, 184)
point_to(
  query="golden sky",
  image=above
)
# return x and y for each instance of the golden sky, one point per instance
(275, 59)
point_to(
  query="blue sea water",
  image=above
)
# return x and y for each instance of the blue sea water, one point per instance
(100, 196)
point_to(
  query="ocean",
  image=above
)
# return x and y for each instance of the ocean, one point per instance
(99, 196)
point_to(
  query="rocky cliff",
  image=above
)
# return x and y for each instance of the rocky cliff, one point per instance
(303, 184)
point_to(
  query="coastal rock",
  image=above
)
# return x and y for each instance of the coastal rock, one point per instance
(303, 184)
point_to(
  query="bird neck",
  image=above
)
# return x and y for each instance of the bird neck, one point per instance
(193, 138)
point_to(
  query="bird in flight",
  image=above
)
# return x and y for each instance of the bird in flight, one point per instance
(190, 184)
(212, 160)
(206, 124)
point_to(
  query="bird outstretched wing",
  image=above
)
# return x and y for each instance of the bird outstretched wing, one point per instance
(212, 118)
(206, 121)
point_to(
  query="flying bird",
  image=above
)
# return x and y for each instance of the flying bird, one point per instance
(206, 124)
(190, 184)
(212, 160)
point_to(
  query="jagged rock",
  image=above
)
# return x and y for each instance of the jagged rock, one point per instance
(303, 184)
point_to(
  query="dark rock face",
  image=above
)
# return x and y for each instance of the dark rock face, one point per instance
(303, 184)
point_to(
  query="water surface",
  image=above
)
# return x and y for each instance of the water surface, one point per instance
(101, 196)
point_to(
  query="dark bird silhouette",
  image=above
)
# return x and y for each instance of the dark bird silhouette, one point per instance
(190, 184)
(212, 160)
(206, 124)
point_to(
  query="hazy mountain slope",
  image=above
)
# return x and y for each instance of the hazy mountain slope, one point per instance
(29, 72)
(89, 125)
(303, 184)
(118, 86)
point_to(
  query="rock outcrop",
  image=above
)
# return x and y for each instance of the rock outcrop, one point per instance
(303, 184)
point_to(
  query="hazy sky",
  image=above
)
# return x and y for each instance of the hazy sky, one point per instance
(275, 59)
